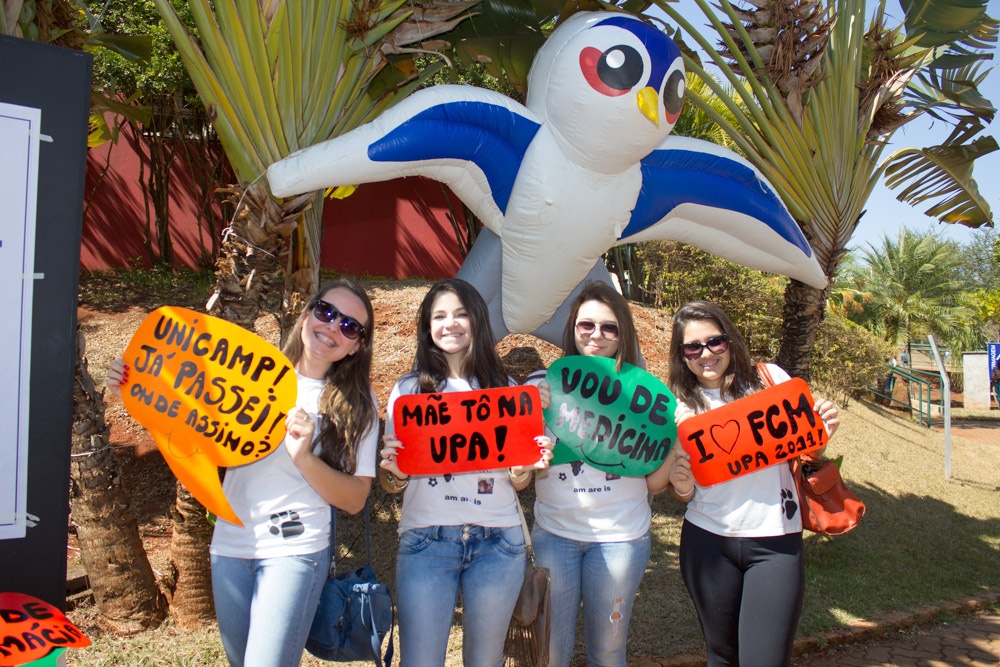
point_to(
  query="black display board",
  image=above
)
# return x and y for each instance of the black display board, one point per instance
(57, 81)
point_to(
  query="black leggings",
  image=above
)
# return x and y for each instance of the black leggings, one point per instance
(747, 592)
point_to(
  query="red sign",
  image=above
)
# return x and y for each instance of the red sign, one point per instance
(30, 629)
(464, 431)
(764, 429)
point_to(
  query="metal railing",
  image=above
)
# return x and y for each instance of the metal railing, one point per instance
(922, 386)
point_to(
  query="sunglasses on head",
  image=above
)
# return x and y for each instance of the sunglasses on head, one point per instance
(327, 313)
(715, 344)
(608, 330)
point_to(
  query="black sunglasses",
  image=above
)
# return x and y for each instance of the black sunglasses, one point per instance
(327, 313)
(715, 344)
(608, 330)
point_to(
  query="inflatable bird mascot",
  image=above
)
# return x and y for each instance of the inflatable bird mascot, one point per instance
(586, 164)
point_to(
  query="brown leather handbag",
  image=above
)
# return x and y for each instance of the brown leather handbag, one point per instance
(527, 643)
(828, 507)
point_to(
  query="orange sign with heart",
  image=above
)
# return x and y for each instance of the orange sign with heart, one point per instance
(770, 427)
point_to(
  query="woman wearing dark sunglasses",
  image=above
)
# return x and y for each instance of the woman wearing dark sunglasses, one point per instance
(741, 542)
(591, 527)
(267, 575)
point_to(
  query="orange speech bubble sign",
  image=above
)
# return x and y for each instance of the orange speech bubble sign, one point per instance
(30, 629)
(464, 431)
(764, 429)
(211, 393)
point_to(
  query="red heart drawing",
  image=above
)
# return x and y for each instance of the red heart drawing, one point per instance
(729, 432)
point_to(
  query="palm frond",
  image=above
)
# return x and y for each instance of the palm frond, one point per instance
(943, 174)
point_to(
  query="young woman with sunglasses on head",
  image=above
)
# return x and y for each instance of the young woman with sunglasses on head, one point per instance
(591, 527)
(741, 542)
(458, 532)
(267, 575)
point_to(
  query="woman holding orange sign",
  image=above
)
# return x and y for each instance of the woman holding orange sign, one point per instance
(268, 574)
(458, 531)
(741, 542)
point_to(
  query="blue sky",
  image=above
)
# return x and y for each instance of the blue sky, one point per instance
(886, 215)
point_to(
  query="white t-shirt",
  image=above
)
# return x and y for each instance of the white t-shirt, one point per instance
(479, 498)
(282, 514)
(579, 502)
(760, 504)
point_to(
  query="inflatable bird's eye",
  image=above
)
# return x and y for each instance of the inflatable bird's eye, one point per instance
(673, 94)
(612, 72)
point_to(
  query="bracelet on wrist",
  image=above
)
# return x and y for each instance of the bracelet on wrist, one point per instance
(522, 477)
(396, 484)
(684, 496)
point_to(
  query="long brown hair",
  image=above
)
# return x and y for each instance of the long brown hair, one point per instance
(628, 339)
(346, 407)
(740, 379)
(481, 362)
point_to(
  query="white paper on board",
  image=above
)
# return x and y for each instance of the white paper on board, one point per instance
(19, 143)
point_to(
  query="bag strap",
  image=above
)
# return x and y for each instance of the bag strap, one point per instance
(529, 550)
(333, 537)
(765, 374)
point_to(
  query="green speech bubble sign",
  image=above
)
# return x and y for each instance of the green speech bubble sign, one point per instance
(621, 423)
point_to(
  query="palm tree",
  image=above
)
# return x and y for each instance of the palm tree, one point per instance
(125, 589)
(280, 76)
(913, 287)
(827, 95)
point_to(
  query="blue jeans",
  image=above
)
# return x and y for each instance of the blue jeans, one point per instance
(265, 607)
(606, 576)
(434, 563)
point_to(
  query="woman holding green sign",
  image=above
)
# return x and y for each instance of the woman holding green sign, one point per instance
(592, 527)
(741, 542)
(459, 532)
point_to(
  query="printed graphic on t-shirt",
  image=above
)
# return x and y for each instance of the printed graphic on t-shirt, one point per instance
(484, 487)
(286, 524)
(789, 503)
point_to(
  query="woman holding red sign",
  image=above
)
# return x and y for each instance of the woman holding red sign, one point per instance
(268, 574)
(458, 531)
(592, 527)
(741, 542)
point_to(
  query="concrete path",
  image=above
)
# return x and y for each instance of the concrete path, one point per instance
(970, 641)
(970, 638)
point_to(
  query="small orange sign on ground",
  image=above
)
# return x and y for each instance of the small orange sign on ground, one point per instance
(31, 629)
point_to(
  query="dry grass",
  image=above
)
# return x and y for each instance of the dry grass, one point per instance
(924, 539)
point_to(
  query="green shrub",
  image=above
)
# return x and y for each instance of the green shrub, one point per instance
(847, 358)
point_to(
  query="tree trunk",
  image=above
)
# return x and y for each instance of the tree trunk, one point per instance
(189, 583)
(121, 577)
(253, 256)
(803, 311)
(303, 260)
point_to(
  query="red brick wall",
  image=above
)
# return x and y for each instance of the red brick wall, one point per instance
(396, 229)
